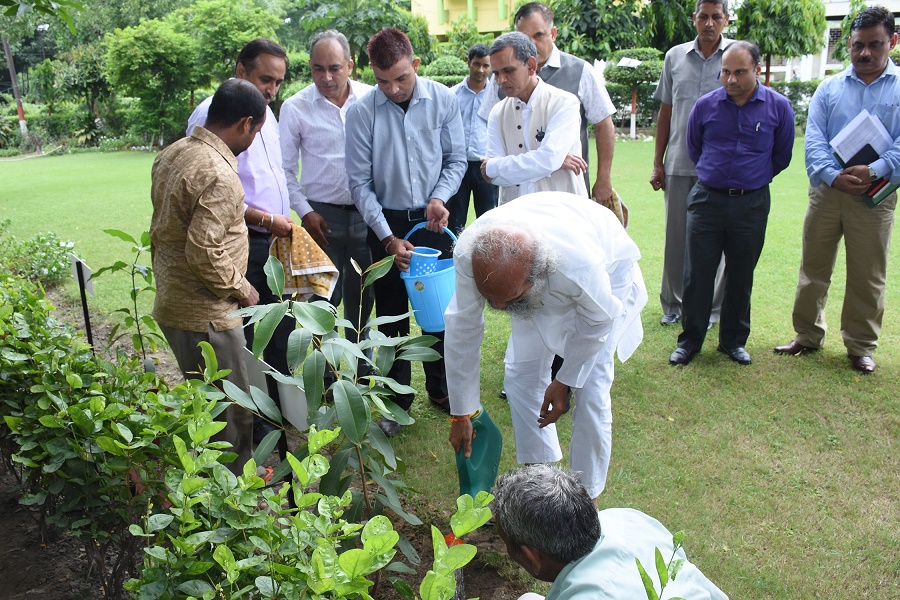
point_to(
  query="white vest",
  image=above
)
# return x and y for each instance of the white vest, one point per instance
(545, 101)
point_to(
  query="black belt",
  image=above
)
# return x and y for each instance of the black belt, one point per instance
(413, 214)
(731, 191)
(260, 234)
(347, 207)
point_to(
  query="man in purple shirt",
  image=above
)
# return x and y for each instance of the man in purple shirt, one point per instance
(739, 136)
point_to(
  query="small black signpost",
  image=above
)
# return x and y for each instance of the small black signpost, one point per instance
(83, 273)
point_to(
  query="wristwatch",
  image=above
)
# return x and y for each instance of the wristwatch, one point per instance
(872, 175)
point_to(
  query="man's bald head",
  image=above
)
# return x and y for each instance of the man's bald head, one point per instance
(509, 265)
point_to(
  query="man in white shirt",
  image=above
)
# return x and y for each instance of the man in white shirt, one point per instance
(566, 271)
(312, 130)
(578, 77)
(471, 94)
(533, 143)
(550, 527)
(263, 63)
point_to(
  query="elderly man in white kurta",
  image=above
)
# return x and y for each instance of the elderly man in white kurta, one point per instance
(533, 143)
(566, 271)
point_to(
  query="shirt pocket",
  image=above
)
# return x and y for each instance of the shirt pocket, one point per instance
(889, 116)
(760, 138)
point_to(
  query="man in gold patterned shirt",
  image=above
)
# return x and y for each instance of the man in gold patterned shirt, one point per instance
(198, 242)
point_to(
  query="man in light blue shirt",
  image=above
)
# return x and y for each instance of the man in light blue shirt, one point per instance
(471, 94)
(405, 155)
(836, 205)
(551, 527)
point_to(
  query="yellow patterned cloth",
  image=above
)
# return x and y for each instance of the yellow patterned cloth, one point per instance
(307, 269)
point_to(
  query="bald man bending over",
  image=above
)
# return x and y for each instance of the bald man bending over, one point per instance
(566, 272)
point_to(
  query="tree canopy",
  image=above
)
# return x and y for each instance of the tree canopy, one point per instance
(669, 23)
(788, 28)
(593, 29)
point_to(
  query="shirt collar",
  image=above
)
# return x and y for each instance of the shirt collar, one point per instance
(724, 42)
(208, 137)
(889, 70)
(758, 94)
(554, 60)
(420, 93)
(465, 86)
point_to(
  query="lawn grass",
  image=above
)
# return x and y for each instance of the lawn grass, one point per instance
(783, 474)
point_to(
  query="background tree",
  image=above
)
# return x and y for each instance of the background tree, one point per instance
(62, 9)
(82, 75)
(359, 20)
(669, 23)
(841, 52)
(632, 77)
(220, 29)
(593, 29)
(788, 28)
(463, 34)
(154, 62)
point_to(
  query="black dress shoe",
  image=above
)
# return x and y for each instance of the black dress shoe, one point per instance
(441, 403)
(793, 348)
(502, 394)
(863, 364)
(389, 427)
(738, 355)
(682, 356)
(670, 319)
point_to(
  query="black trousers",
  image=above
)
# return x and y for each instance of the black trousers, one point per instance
(717, 223)
(484, 197)
(275, 352)
(391, 299)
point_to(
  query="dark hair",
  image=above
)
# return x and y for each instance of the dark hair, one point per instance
(750, 47)
(873, 17)
(234, 100)
(523, 47)
(478, 51)
(388, 47)
(546, 508)
(252, 49)
(724, 4)
(526, 10)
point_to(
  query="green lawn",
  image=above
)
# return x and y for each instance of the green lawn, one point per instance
(783, 473)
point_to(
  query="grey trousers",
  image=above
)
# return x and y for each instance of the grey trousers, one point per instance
(671, 290)
(229, 348)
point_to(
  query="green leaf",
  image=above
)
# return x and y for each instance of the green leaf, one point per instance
(190, 485)
(675, 568)
(274, 271)
(661, 571)
(380, 443)
(223, 555)
(266, 446)
(266, 584)
(436, 587)
(50, 422)
(184, 456)
(318, 439)
(458, 556)
(266, 327)
(402, 587)
(211, 364)
(199, 433)
(194, 587)
(408, 517)
(313, 374)
(378, 270)
(108, 444)
(125, 433)
(317, 320)
(352, 410)
(418, 353)
(80, 418)
(238, 395)
(648, 583)
(298, 343)
(299, 469)
(355, 562)
(265, 404)
(74, 380)
(116, 233)
(159, 521)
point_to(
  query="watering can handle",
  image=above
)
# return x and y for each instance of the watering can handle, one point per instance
(419, 226)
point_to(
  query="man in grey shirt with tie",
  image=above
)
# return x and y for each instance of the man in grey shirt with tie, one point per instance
(405, 156)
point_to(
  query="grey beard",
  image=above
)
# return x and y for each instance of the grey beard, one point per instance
(526, 307)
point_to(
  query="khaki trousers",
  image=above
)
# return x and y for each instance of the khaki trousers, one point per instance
(229, 348)
(831, 215)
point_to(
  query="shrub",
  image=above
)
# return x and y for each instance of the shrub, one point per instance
(445, 65)
(800, 94)
(44, 258)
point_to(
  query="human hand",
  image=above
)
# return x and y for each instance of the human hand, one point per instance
(437, 215)
(602, 191)
(555, 404)
(852, 180)
(484, 174)
(461, 436)
(316, 227)
(252, 298)
(574, 163)
(658, 178)
(401, 250)
(281, 225)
